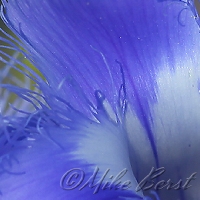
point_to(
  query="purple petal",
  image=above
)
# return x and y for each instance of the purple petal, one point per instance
(146, 48)
(85, 40)
(141, 37)
(36, 165)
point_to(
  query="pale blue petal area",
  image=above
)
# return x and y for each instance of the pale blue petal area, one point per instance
(35, 163)
(179, 101)
(176, 130)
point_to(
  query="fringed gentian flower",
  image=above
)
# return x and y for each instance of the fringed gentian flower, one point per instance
(119, 102)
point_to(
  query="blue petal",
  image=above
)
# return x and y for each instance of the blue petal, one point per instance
(141, 37)
(85, 40)
(40, 154)
(107, 45)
